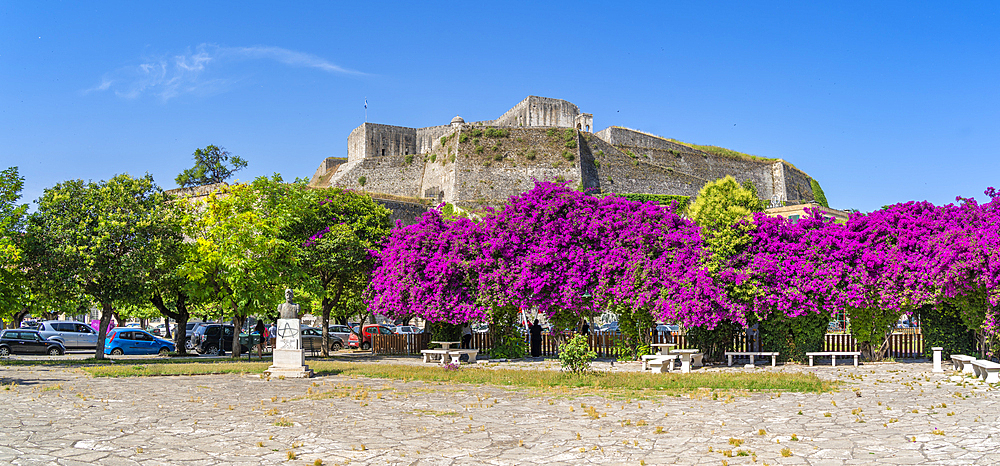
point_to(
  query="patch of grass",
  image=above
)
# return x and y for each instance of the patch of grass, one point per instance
(601, 381)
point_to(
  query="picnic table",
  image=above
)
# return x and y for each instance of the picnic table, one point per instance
(664, 348)
(447, 354)
(685, 355)
(446, 345)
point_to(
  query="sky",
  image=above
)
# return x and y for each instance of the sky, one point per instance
(880, 102)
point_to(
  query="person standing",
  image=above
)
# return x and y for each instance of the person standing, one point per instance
(466, 336)
(585, 330)
(259, 329)
(536, 339)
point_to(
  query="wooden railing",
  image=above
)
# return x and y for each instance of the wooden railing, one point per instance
(901, 345)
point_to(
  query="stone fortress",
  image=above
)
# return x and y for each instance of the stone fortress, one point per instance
(483, 163)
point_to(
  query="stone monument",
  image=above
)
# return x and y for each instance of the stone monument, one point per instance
(289, 357)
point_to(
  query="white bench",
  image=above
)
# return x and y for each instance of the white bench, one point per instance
(664, 363)
(963, 363)
(435, 355)
(833, 356)
(651, 360)
(989, 371)
(456, 355)
(752, 355)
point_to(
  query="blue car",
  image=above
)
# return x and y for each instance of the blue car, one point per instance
(125, 340)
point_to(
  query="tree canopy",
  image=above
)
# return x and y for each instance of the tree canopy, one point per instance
(211, 165)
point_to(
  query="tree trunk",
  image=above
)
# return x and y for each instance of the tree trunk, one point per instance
(327, 307)
(181, 316)
(237, 329)
(102, 331)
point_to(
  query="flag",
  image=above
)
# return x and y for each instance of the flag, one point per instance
(366, 103)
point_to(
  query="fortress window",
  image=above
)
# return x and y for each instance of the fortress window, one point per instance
(578, 126)
(383, 152)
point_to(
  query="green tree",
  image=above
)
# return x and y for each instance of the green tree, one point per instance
(95, 239)
(718, 210)
(334, 232)
(211, 165)
(12, 279)
(240, 259)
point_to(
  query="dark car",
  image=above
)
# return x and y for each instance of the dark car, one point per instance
(23, 341)
(210, 338)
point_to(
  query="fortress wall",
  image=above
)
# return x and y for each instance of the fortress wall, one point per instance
(403, 212)
(540, 111)
(797, 185)
(618, 136)
(325, 167)
(389, 174)
(430, 136)
(357, 144)
(438, 182)
(620, 173)
(526, 155)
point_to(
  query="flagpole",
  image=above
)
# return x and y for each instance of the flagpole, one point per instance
(366, 110)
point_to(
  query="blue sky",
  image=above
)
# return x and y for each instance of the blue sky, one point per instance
(881, 102)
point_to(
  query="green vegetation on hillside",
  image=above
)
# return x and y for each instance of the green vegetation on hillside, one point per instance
(723, 152)
(818, 194)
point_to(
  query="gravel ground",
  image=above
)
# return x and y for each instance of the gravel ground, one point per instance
(895, 413)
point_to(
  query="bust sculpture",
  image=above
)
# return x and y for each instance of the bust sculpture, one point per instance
(288, 309)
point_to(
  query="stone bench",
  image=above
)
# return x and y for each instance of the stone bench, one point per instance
(989, 371)
(963, 363)
(456, 355)
(833, 356)
(663, 363)
(435, 355)
(752, 355)
(649, 360)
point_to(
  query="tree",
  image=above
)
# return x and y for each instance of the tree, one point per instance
(12, 279)
(211, 165)
(334, 231)
(240, 259)
(96, 239)
(719, 209)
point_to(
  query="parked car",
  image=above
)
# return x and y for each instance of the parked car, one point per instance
(312, 340)
(408, 329)
(210, 338)
(129, 340)
(189, 334)
(609, 328)
(25, 341)
(341, 331)
(366, 342)
(666, 329)
(69, 333)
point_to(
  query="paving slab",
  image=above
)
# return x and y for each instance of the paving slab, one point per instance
(905, 414)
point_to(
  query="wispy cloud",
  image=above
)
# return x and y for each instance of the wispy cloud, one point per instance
(202, 71)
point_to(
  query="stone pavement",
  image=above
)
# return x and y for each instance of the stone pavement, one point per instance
(893, 413)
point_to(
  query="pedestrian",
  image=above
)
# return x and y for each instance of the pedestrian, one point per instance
(466, 336)
(259, 329)
(536, 339)
(272, 333)
(585, 330)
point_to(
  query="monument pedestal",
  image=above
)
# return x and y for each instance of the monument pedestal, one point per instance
(289, 358)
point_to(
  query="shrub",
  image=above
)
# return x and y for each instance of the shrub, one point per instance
(942, 326)
(568, 156)
(793, 336)
(576, 355)
(597, 164)
(433, 157)
(479, 149)
(531, 155)
(409, 159)
(476, 132)
(552, 133)
(495, 133)
(498, 157)
(362, 180)
(463, 138)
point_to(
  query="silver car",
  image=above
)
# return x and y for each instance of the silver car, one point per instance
(312, 340)
(72, 334)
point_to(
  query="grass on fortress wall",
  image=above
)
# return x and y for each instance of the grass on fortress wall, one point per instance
(633, 382)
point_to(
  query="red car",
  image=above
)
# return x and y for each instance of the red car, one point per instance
(367, 332)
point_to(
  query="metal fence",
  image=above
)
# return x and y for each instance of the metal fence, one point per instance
(900, 345)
